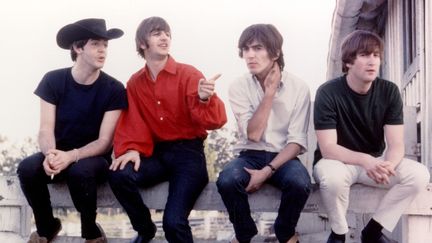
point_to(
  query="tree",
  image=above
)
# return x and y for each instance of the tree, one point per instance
(12, 153)
(218, 150)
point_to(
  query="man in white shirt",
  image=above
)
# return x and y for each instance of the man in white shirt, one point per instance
(271, 107)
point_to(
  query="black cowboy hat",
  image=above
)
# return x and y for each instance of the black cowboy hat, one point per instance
(85, 29)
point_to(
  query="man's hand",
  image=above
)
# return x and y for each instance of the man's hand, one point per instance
(206, 87)
(272, 80)
(59, 160)
(258, 177)
(379, 171)
(47, 167)
(386, 168)
(130, 156)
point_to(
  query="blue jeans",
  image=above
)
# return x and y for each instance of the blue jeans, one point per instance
(182, 163)
(292, 178)
(82, 179)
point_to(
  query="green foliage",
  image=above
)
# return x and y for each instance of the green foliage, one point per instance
(12, 153)
(218, 150)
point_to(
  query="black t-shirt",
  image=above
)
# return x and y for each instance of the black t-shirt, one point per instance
(359, 119)
(80, 108)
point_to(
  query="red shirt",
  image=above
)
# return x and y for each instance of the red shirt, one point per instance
(167, 109)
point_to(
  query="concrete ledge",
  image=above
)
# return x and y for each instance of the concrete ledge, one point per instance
(363, 199)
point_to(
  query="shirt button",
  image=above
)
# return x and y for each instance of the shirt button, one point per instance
(158, 102)
(161, 118)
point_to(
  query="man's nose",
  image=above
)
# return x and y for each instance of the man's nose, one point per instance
(103, 48)
(249, 54)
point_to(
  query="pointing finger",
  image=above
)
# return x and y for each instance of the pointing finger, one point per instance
(215, 77)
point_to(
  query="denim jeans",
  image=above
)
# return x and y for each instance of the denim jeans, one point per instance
(292, 178)
(182, 163)
(82, 179)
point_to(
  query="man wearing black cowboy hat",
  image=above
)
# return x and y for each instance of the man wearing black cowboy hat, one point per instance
(80, 106)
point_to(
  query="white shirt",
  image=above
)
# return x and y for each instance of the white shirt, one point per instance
(289, 117)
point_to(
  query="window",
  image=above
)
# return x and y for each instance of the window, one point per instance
(409, 33)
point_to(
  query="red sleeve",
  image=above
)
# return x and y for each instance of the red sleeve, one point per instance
(132, 133)
(210, 115)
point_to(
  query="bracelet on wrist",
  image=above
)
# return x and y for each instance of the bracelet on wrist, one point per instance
(204, 100)
(76, 155)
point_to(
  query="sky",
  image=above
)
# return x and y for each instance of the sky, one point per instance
(204, 34)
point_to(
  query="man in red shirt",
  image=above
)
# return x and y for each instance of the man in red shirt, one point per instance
(160, 136)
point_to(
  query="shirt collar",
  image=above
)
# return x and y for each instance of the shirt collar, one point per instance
(170, 67)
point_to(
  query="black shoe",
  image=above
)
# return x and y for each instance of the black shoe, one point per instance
(333, 239)
(145, 238)
(382, 239)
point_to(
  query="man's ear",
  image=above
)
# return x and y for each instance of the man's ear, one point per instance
(277, 56)
(77, 49)
(143, 46)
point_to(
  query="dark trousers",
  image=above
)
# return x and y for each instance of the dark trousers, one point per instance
(182, 164)
(82, 179)
(292, 178)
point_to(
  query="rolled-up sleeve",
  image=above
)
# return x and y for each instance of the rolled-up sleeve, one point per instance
(241, 106)
(299, 120)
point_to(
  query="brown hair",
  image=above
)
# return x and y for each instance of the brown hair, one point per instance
(77, 44)
(145, 28)
(360, 41)
(268, 36)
